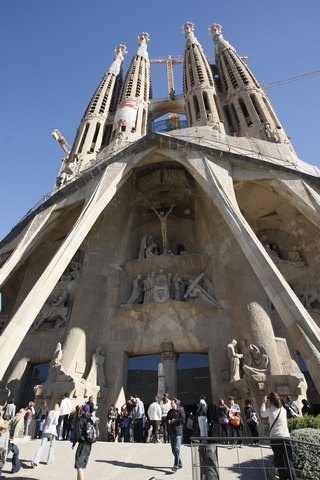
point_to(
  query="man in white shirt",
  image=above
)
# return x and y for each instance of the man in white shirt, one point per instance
(65, 410)
(154, 414)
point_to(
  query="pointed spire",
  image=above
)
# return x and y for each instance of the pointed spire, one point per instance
(198, 85)
(247, 107)
(93, 129)
(130, 121)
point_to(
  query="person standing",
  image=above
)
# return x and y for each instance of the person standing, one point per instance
(4, 443)
(165, 406)
(235, 420)
(40, 416)
(279, 436)
(222, 417)
(202, 410)
(28, 417)
(175, 420)
(252, 420)
(306, 408)
(154, 414)
(65, 410)
(84, 447)
(138, 414)
(10, 410)
(49, 434)
(291, 408)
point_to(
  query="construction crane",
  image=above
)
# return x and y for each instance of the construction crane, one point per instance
(291, 79)
(170, 61)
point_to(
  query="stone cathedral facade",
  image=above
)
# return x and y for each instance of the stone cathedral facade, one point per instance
(200, 237)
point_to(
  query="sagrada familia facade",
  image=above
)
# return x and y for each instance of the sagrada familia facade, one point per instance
(199, 237)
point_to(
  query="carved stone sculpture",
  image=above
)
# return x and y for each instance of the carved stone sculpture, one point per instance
(56, 311)
(163, 223)
(260, 363)
(234, 358)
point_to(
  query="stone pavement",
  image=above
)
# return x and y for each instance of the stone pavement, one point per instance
(134, 461)
(108, 461)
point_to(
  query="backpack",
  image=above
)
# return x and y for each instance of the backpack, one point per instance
(89, 433)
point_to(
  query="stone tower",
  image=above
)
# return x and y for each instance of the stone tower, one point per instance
(169, 241)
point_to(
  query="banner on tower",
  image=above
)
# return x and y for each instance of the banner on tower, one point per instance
(125, 116)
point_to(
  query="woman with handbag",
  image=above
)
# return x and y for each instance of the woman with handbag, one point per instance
(235, 421)
(222, 416)
(252, 420)
(279, 436)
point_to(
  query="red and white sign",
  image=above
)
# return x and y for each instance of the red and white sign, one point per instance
(125, 116)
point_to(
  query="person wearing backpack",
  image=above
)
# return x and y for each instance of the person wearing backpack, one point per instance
(83, 451)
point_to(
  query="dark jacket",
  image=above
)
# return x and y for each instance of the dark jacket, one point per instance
(179, 418)
(80, 427)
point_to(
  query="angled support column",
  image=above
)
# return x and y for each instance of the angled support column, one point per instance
(215, 178)
(22, 320)
(303, 196)
(25, 244)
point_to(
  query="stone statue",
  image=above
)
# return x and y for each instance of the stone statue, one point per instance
(148, 248)
(148, 287)
(310, 295)
(55, 366)
(178, 287)
(56, 311)
(137, 291)
(295, 257)
(234, 358)
(161, 291)
(163, 223)
(271, 134)
(96, 374)
(197, 295)
(260, 363)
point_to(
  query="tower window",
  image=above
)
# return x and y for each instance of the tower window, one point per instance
(245, 112)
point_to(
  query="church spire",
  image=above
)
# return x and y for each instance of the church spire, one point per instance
(96, 122)
(198, 85)
(131, 118)
(247, 106)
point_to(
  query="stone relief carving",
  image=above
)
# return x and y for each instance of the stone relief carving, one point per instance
(164, 286)
(271, 133)
(57, 309)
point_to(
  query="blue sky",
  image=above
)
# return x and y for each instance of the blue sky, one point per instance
(53, 54)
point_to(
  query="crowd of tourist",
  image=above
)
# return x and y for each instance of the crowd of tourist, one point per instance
(162, 421)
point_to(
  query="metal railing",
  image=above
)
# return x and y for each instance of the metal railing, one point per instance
(251, 458)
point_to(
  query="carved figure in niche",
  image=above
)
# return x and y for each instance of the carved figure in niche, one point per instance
(96, 374)
(294, 256)
(197, 295)
(234, 358)
(57, 308)
(260, 363)
(137, 291)
(310, 295)
(148, 248)
(161, 288)
(163, 223)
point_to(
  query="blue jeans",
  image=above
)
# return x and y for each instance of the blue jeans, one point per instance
(45, 439)
(175, 441)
